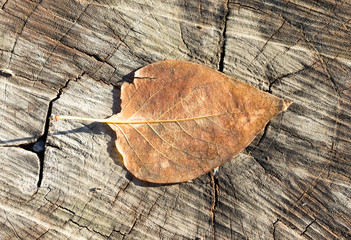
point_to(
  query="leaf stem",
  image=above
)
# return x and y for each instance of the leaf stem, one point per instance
(112, 120)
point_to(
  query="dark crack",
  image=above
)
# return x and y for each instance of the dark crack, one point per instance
(22, 28)
(264, 134)
(60, 207)
(3, 5)
(213, 174)
(41, 235)
(142, 215)
(132, 227)
(279, 78)
(305, 139)
(43, 138)
(12, 226)
(183, 40)
(89, 229)
(267, 170)
(72, 215)
(118, 232)
(332, 80)
(269, 39)
(5, 73)
(60, 41)
(122, 189)
(95, 56)
(86, 204)
(274, 229)
(215, 194)
(223, 39)
(306, 228)
(27, 146)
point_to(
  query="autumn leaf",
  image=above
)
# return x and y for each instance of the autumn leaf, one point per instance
(180, 120)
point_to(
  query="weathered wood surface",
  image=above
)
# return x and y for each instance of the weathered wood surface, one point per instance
(70, 57)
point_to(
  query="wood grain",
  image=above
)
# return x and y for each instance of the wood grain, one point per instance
(70, 57)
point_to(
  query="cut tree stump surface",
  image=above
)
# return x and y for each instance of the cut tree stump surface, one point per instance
(71, 57)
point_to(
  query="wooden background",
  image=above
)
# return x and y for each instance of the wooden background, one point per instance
(71, 57)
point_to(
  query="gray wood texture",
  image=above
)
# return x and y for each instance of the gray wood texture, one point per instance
(71, 57)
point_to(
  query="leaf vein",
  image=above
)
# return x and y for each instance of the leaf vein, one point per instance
(160, 152)
(202, 140)
(151, 96)
(142, 162)
(181, 150)
(183, 98)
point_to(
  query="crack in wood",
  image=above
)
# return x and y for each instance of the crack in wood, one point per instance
(308, 225)
(215, 195)
(267, 41)
(22, 28)
(263, 136)
(6, 73)
(61, 207)
(309, 141)
(3, 5)
(239, 5)
(89, 229)
(183, 40)
(85, 206)
(12, 226)
(122, 189)
(272, 175)
(118, 232)
(43, 138)
(292, 134)
(170, 212)
(59, 41)
(222, 42)
(73, 214)
(142, 215)
(326, 70)
(41, 235)
(274, 229)
(278, 79)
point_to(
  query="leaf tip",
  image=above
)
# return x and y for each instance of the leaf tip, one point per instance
(286, 104)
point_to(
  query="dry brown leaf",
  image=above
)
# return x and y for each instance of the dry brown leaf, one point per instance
(180, 120)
